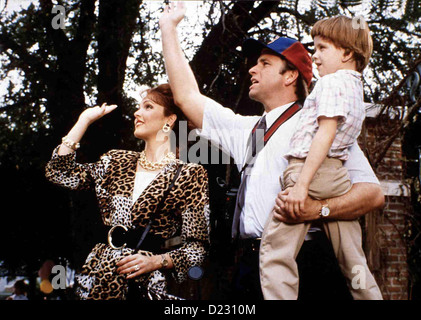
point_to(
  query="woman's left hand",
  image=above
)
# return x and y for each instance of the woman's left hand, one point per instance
(137, 264)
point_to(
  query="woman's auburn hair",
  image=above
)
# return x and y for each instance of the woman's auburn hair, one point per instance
(162, 95)
(342, 32)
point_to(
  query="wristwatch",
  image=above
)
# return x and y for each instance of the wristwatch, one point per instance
(164, 261)
(324, 210)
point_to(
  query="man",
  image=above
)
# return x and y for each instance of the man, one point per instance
(278, 81)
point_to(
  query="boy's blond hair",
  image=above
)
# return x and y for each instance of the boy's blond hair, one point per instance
(353, 36)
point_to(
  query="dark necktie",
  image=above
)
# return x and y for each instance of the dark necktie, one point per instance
(257, 143)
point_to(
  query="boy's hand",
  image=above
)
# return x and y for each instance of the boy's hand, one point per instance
(295, 200)
(172, 15)
(280, 212)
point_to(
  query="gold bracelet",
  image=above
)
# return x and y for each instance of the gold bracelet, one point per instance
(164, 261)
(70, 144)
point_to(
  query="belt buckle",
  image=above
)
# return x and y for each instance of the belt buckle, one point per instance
(110, 237)
(255, 245)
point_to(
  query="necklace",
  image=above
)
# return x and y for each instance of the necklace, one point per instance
(152, 166)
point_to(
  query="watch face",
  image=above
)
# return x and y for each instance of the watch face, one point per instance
(325, 211)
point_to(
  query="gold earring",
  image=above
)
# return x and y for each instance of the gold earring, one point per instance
(166, 128)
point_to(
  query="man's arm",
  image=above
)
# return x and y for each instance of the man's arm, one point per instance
(181, 78)
(361, 199)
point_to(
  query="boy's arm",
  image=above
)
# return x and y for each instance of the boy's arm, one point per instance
(319, 149)
(181, 78)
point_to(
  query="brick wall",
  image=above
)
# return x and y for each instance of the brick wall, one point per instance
(388, 255)
(385, 230)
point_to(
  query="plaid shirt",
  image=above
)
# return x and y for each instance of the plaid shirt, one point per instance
(339, 94)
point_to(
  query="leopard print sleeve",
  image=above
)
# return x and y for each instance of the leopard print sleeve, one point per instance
(195, 224)
(63, 170)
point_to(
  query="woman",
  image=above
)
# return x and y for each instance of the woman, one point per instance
(129, 186)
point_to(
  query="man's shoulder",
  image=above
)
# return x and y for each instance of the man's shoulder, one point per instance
(226, 117)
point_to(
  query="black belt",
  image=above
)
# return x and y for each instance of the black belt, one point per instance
(119, 237)
(249, 244)
(253, 244)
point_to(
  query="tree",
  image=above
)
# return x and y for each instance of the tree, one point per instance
(55, 67)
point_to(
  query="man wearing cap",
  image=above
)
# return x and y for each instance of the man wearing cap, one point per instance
(279, 81)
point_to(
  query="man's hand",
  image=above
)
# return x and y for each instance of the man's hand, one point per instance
(310, 213)
(172, 15)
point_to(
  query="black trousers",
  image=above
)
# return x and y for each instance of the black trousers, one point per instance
(319, 272)
(320, 275)
(246, 278)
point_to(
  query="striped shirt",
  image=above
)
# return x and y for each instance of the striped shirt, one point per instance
(339, 94)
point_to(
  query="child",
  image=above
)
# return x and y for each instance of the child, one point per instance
(329, 124)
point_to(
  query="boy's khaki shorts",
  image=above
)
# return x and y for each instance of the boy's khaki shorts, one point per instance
(331, 180)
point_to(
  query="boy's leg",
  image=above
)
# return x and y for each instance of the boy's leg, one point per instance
(278, 251)
(279, 248)
(332, 180)
(346, 239)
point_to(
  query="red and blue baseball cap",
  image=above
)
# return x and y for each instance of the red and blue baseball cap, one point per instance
(291, 50)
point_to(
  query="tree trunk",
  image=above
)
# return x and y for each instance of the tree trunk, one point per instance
(116, 25)
(65, 96)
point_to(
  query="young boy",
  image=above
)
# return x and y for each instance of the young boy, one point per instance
(329, 124)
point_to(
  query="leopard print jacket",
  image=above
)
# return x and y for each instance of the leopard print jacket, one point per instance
(185, 213)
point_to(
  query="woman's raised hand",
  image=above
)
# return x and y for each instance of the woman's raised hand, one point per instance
(173, 14)
(86, 118)
(91, 115)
